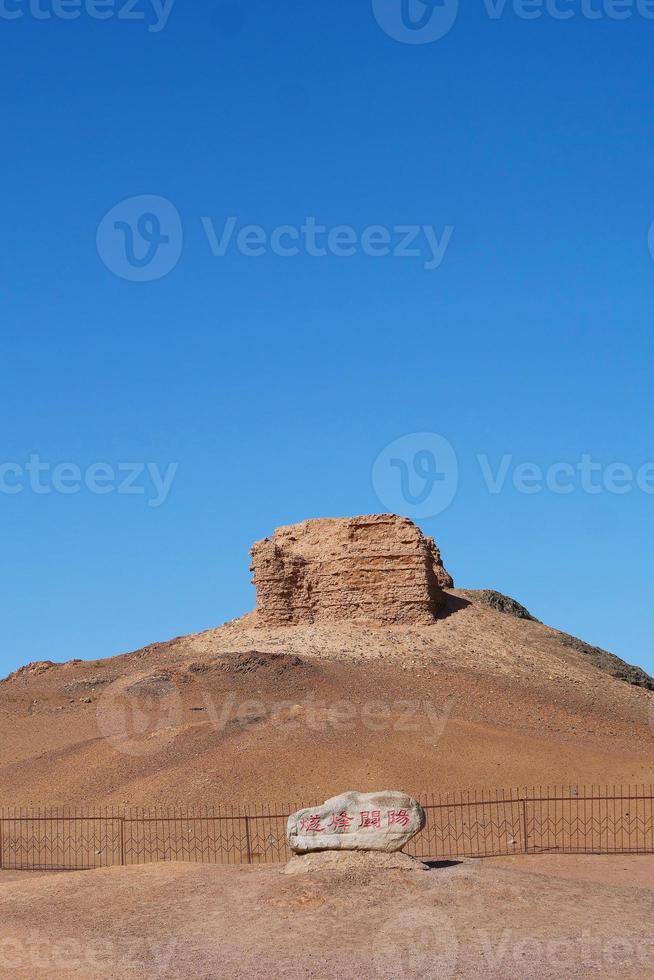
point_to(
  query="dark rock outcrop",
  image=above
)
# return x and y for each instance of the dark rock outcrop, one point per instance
(608, 662)
(502, 603)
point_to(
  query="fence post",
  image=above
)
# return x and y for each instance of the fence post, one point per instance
(524, 826)
(122, 840)
(1, 850)
(247, 838)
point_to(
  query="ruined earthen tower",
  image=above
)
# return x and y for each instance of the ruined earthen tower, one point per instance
(376, 569)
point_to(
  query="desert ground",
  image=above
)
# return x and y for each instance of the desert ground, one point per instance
(247, 713)
(522, 917)
(252, 713)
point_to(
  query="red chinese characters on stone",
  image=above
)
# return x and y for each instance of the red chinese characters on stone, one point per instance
(370, 818)
(340, 821)
(311, 824)
(353, 821)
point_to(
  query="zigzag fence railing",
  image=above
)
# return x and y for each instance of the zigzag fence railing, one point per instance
(571, 820)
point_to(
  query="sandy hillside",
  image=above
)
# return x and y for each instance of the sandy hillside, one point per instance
(551, 918)
(246, 712)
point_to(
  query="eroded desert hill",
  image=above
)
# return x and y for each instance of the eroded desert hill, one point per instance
(360, 669)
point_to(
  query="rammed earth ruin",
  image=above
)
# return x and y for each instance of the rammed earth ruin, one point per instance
(377, 569)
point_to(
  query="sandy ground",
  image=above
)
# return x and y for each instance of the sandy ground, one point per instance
(523, 917)
(245, 714)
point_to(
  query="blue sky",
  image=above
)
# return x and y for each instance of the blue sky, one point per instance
(266, 386)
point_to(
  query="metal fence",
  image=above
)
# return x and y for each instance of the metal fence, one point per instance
(571, 820)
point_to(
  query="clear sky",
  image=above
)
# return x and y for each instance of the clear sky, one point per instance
(512, 158)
